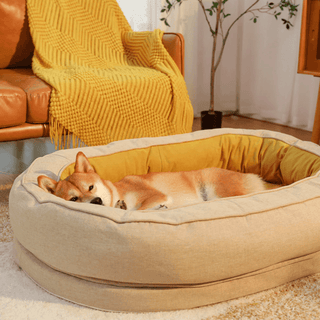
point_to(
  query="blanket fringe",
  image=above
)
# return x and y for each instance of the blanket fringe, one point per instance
(61, 137)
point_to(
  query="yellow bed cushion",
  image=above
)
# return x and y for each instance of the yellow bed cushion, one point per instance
(187, 257)
(274, 160)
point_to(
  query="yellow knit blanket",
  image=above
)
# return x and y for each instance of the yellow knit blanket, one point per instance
(108, 82)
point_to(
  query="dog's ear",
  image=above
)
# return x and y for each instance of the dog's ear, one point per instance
(47, 184)
(82, 164)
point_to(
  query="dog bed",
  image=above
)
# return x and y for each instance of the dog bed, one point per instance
(191, 256)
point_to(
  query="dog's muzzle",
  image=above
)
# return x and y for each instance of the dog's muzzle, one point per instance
(96, 200)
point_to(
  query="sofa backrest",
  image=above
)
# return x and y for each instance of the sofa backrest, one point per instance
(15, 39)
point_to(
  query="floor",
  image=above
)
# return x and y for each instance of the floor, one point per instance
(241, 122)
(16, 156)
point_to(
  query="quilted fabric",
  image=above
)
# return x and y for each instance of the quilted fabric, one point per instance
(109, 83)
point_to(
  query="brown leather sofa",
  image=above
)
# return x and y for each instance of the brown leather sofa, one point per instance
(24, 98)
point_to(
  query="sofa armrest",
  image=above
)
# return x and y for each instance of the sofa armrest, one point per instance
(174, 43)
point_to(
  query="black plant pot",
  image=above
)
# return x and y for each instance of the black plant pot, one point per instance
(211, 119)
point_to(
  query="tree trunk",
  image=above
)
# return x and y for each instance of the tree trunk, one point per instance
(213, 58)
(212, 84)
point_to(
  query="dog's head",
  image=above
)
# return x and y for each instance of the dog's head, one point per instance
(84, 185)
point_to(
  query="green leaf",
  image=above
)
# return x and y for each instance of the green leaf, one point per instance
(169, 5)
(271, 5)
(214, 5)
(277, 14)
(210, 12)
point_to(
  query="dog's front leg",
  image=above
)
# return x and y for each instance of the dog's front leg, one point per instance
(121, 205)
(154, 202)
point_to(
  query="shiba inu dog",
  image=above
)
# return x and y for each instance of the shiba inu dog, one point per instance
(156, 190)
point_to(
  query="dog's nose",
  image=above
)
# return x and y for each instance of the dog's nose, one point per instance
(96, 200)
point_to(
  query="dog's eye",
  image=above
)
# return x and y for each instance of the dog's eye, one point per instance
(90, 188)
(74, 199)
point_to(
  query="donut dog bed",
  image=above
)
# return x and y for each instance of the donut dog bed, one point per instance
(191, 256)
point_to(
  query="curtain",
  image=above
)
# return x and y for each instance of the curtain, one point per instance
(270, 87)
(257, 75)
(142, 15)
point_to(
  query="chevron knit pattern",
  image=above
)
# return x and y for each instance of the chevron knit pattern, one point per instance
(108, 82)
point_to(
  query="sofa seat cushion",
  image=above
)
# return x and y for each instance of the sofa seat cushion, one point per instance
(28, 90)
(13, 106)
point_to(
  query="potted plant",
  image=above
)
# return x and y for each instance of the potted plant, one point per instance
(211, 118)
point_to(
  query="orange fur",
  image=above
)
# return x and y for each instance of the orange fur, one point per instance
(154, 190)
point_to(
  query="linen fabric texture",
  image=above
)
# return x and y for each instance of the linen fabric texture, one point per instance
(108, 82)
(191, 256)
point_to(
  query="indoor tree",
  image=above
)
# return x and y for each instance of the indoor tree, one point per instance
(218, 11)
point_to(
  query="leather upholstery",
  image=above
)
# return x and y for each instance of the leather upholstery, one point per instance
(13, 107)
(174, 43)
(24, 131)
(24, 98)
(16, 42)
(36, 92)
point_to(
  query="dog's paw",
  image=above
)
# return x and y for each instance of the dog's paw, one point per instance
(121, 205)
(161, 207)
